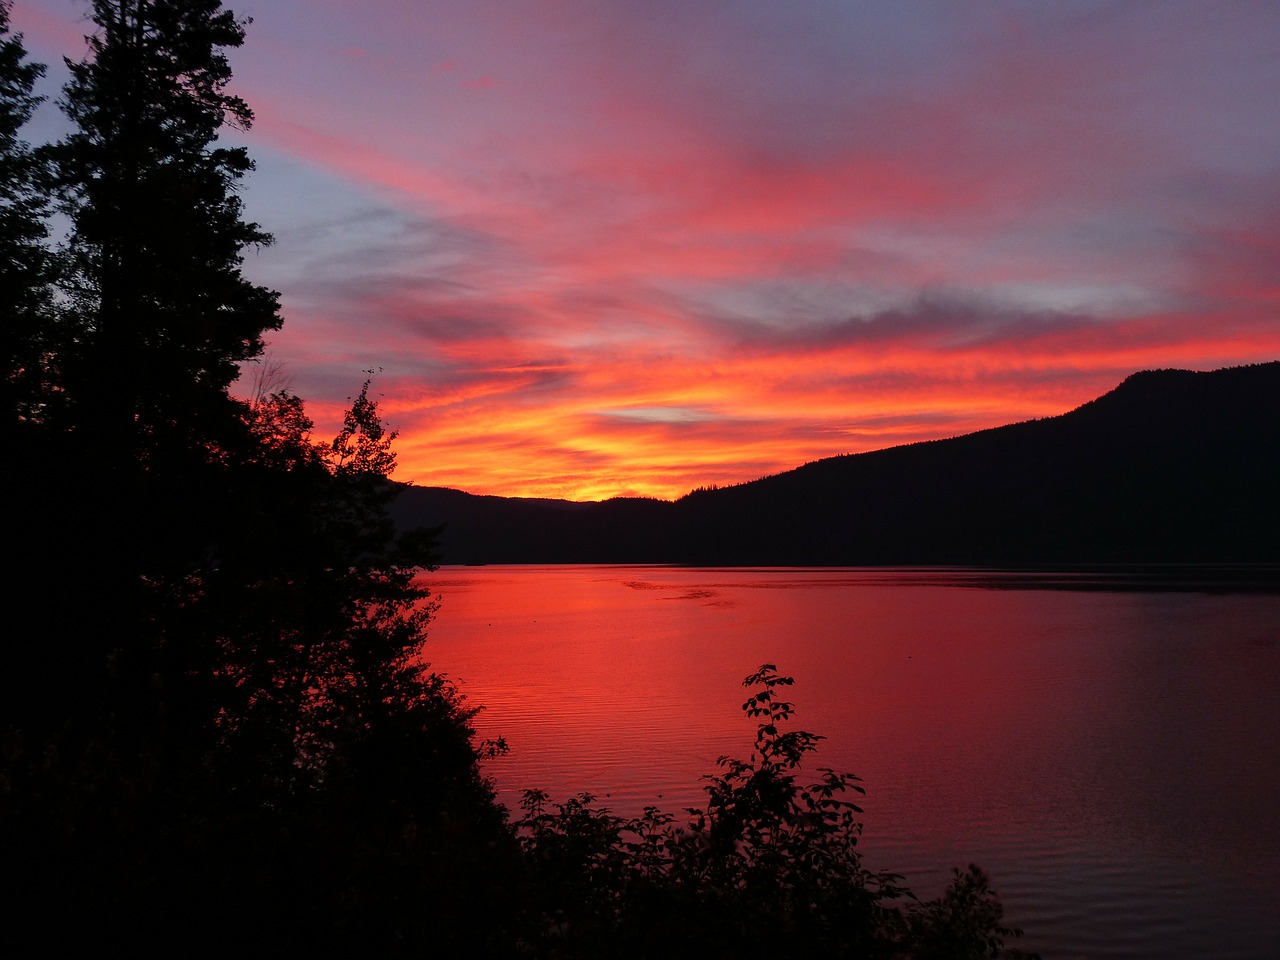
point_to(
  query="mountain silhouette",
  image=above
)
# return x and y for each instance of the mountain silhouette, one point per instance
(1172, 466)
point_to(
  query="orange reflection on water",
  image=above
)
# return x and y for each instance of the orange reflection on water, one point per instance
(1111, 757)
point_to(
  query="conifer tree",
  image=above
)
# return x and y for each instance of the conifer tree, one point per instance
(233, 697)
(25, 261)
(166, 314)
(125, 487)
(157, 314)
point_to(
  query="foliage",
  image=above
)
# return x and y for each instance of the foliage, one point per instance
(26, 264)
(363, 445)
(323, 631)
(769, 864)
(965, 923)
(161, 312)
(222, 719)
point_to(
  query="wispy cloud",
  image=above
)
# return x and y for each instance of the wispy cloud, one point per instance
(601, 248)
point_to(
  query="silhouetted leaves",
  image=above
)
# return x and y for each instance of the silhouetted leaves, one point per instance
(26, 262)
(163, 314)
(219, 718)
(769, 864)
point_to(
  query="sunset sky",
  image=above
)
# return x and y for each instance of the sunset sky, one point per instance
(604, 247)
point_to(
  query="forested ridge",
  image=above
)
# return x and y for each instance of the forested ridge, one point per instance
(220, 727)
(1172, 466)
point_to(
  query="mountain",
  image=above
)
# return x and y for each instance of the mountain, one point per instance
(518, 530)
(1170, 466)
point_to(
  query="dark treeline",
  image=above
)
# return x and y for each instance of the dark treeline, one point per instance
(1170, 467)
(215, 723)
(218, 728)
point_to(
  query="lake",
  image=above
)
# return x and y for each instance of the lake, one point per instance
(1108, 750)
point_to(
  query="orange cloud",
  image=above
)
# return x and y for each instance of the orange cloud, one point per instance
(606, 249)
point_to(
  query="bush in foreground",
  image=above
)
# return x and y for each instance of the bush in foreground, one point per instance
(768, 866)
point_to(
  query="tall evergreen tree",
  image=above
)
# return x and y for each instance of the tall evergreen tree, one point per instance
(166, 314)
(25, 259)
(231, 717)
(29, 354)
(158, 313)
(127, 480)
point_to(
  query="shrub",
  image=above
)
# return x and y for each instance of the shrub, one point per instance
(768, 864)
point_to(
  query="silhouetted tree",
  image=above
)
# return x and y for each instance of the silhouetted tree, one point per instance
(154, 315)
(25, 259)
(334, 740)
(318, 609)
(164, 314)
(222, 719)
(29, 351)
(768, 866)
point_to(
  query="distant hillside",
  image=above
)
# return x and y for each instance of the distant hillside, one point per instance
(516, 530)
(1171, 466)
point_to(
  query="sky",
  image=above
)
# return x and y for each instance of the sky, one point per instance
(595, 248)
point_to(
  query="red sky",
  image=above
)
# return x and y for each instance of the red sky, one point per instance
(599, 247)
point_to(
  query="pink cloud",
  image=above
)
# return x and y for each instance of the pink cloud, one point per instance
(640, 248)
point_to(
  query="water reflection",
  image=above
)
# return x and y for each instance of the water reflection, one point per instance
(1109, 756)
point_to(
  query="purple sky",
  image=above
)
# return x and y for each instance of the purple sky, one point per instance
(635, 247)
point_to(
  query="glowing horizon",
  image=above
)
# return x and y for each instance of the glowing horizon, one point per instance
(603, 249)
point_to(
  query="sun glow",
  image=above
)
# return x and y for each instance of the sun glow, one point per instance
(593, 253)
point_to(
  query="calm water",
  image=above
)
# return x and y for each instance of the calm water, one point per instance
(1111, 758)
